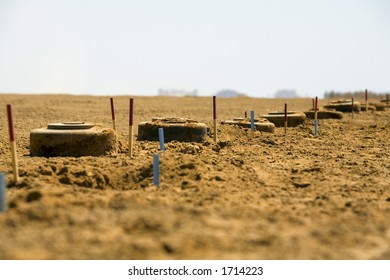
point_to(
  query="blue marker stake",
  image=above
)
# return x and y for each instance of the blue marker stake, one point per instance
(316, 127)
(252, 120)
(156, 170)
(161, 138)
(3, 205)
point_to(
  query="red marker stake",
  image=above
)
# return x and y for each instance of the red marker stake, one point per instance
(246, 115)
(366, 101)
(131, 128)
(113, 113)
(285, 118)
(215, 117)
(12, 143)
(353, 109)
(316, 117)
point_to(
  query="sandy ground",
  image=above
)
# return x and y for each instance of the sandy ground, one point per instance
(249, 196)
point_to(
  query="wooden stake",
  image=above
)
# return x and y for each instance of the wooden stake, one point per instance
(12, 143)
(285, 119)
(113, 113)
(215, 117)
(161, 138)
(252, 114)
(156, 170)
(353, 108)
(3, 193)
(366, 101)
(131, 112)
(316, 117)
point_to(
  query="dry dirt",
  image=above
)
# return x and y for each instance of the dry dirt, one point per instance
(249, 196)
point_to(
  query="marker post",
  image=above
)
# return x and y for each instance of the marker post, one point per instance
(156, 170)
(316, 117)
(113, 113)
(215, 117)
(3, 198)
(12, 143)
(285, 119)
(131, 112)
(161, 138)
(252, 113)
(366, 96)
(353, 108)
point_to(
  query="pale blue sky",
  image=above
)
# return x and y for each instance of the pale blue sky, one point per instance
(111, 47)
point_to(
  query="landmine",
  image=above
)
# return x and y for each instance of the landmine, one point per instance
(379, 106)
(179, 129)
(369, 107)
(72, 139)
(261, 124)
(386, 101)
(294, 118)
(324, 114)
(344, 105)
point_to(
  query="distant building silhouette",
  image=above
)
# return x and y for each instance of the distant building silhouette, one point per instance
(229, 93)
(177, 92)
(285, 93)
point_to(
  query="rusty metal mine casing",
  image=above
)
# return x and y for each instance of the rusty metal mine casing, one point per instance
(261, 124)
(72, 139)
(294, 118)
(179, 129)
(344, 105)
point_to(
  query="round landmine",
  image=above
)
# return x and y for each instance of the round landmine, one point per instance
(369, 107)
(294, 118)
(260, 124)
(324, 114)
(378, 106)
(343, 105)
(72, 139)
(179, 129)
(386, 102)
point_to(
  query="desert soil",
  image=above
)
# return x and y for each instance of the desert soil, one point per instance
(248, 196)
